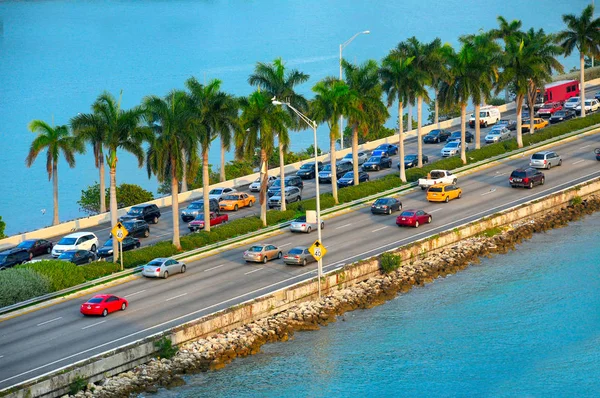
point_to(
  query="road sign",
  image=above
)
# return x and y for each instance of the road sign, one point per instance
(119, 232)
(317, 250)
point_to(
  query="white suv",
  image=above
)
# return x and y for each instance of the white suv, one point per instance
(571, 103)
(591, 105)
(78, 240)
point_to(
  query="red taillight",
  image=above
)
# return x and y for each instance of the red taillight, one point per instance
(545, 161)
(526, 180)
(304, 225)
(296, 256)
(158, 270)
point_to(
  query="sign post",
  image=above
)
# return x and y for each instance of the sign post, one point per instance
(318, 251)
(119, 232)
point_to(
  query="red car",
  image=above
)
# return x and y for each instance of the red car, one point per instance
(549, 109)
(413, 218)
(103, 304)
(215, 219)
(36, 247)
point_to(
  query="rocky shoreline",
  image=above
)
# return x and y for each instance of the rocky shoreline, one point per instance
(220, 349)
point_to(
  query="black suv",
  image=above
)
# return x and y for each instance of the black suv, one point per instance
(12, 257)
(307, 170)
(435, 136)
(148, 213)
(341, 168)
(377, 163)
(526, 178)
(137, 228)
(197, 207)
(291, 181)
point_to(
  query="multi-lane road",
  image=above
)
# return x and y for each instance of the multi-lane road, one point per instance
(43, 340)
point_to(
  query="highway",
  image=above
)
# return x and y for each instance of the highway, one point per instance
(44, 340)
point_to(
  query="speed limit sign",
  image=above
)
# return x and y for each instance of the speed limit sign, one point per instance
(119, 232)
(317, 250)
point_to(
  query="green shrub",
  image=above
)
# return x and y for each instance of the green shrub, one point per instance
(165, 348)
(275, 217)
(576, 201)
(99, 269)
(20, 284)
(60, 274)
(78, 384)
(132, 259)
(389, 262)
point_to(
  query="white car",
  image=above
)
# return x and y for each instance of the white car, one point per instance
(571, 103)
(591, 105)
(78, 241)
(255, 186)
(218, 193)
(497, 134)
(451, 149)
(362, 157)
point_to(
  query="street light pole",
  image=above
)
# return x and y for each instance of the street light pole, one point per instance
(342, 46)
(313, 125)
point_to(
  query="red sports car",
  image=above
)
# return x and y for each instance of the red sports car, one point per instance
(413, 218)
(102, 304)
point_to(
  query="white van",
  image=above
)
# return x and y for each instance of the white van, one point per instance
(488, 115)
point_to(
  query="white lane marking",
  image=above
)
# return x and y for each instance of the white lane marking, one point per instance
(92, 325)
(433, 211)
(343, 226)
(285, 244)
(255, 270)
(158, 236)
(500, 175)
(133, 294)
(579, 161)
(336, 264)
(173, 298)
(215, 267)
(583, 147)
(51, 320)
(379, 229)
(489, 192)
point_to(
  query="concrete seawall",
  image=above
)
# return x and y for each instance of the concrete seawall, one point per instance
(132, 355)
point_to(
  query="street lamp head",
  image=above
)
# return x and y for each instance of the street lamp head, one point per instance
(366, 32)
(275, 102)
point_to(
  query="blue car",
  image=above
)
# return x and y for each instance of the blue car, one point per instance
(389, 148)
(348, 179)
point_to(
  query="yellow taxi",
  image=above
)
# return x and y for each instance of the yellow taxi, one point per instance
(236, 200)
(443, 192)
(538, 123)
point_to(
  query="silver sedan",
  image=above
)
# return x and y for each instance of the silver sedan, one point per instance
(262, 253)
(298, 256)
(162, 268)
(301, 225)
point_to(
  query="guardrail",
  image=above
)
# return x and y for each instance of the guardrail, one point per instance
(279, 226)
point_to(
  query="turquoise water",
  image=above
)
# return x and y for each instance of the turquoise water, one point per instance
(56, 57)
(524, 324)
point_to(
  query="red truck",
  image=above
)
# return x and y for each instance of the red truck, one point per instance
(558, 91)
(198, 223)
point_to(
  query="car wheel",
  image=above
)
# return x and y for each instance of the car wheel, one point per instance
(378, 168)
(265, 259)
(460, 195)
(549, 166)
(183, 269)
(146, 233)
(137, 245)
(560, 162)
(437, 140)
(322, 225)
(155, 220)
(123, 306)
(105, 312)
(454, 181)
(49, 250)
(308, 230)
(279, 255)
(416, 224)
(250, 204)
(530, 186)
(235, 208)
(389, 212)
(30, 255)
(89, 260)
(422, 188)
(542, 181)
(447, 199)
(93, 248)
(304, 263)
(429, 220)
(166, 275)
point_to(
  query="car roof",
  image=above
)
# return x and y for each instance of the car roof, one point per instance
(441, 185)
(161, 259)
(299, 247)
(78, 234)
(413, 210)
(13, 250)
(543, 152)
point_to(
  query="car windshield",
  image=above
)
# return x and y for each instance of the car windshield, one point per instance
(453, 144)
(67, 241)
(230, 197)
(502, 121)
(537, 156)
(95, 300)
(295, 251)
(256, 249)
(155, 263)
(560, 113)
(588, 102)
(199, 217)
(26, 244)
(437, 174)
(134, 211)
(434, 132)
(3, 257)
(382, 147)
(67, 255)
(348, 156)
(301, 219)
(456, 134)
(495, 132)
(306, 166)
(108, 243)
(327, 167)
(573, 99)
(128, 225)
(408, 213)
(409, 158)
(349, 174)
(277, 183)
(518, 174)
(435, 189)
(196, 205)
(216, 191)
(375, 159)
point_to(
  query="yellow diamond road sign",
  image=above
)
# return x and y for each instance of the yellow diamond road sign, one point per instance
(119, 232)
(317, 250)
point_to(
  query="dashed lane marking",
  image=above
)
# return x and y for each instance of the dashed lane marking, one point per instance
(285, 244)
(583, 147)
(489, 192)
(173, 298)
(51, 320)
(133, 294)
(500, 175)
(215, 267)
(379, 229)
(579, 161)
(254, 270)
(92, 325)
(433, 211)
(343, 226)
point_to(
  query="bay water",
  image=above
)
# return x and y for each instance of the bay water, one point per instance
(522, 324)
(57, 56)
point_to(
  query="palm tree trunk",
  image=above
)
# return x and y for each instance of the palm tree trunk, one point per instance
(582, 82)
(263, 186)
(409, 118)
(113, 202)
(184, 185)
(205, 190)
(477, 126)
(102, 181)
(282, 174)
(355, 153)
(55, 192)
(437, 110)
(175, 206)
(222, 171)
(332, 161)
(401, 142)
(531, 96)
(463, 129)
(519, 120)
(419, 140)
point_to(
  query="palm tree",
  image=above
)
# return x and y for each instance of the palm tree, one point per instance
(261, 120)
(89, 128)
(399, 78)
(486, 55)
(437, 71)
(55, 140)
(506, 29)
(170, 119)
(583, 33)
(366, 109)
(122, 131)
(279, 83)
(331, 101)
(460, 85)
(214, 113)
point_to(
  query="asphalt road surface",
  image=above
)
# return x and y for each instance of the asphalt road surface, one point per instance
(47, 339)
